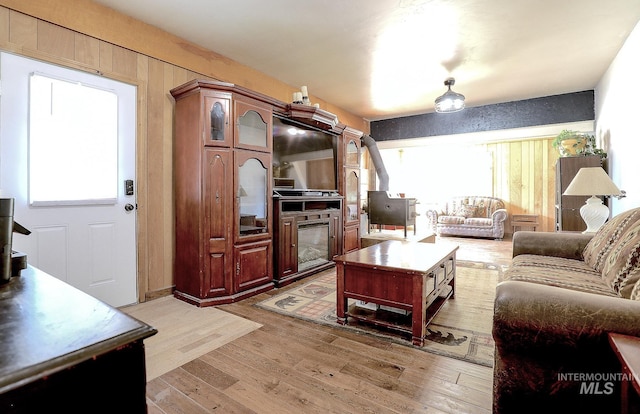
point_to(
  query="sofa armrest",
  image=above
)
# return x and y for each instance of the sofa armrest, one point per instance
(499, 215)
(432, 219)
(543, 335)
(567, 245)
(534, 316)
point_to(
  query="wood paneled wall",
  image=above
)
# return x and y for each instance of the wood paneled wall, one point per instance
(86, 36)
(524, 177)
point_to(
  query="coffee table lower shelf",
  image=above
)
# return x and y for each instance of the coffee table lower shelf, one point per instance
(395, 321)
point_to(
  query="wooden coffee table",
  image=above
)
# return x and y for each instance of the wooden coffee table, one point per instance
(412, 277)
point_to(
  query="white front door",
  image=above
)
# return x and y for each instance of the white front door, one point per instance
(69, 187)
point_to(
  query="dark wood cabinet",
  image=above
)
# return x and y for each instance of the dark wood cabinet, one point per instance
(65, 351)
(568, 207)
(222, 193)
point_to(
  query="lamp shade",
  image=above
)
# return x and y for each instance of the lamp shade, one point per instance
(450, 101)
(591, 181)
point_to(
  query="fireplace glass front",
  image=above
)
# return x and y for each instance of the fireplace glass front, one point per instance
(313, 245)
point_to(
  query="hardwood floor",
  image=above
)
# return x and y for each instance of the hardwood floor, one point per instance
(292, 366)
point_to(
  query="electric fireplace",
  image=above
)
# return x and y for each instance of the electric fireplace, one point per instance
(313, 245)
(307, 236)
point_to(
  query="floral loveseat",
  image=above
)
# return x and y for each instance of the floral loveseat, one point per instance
(477, 216)
(561, 296)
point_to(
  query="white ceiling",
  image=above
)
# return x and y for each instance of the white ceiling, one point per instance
(388, 58)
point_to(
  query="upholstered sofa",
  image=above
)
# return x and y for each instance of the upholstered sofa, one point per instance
(476, 216)
(560, 297)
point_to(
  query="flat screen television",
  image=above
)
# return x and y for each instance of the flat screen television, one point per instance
(304, 158)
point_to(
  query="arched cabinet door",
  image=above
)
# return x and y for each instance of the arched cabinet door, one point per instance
(352, 157)
(252, 193)
(352, 188)
(218, 181)
(217, 130)
(253, 249)
(253, 125)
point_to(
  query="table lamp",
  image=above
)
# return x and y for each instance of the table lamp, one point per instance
(592, 181)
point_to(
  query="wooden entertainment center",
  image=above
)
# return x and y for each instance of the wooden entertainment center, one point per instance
(236, 236)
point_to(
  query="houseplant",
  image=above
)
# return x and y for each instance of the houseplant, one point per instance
(571, 143)
(591, 149)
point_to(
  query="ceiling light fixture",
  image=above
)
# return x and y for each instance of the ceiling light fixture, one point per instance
(450, 101)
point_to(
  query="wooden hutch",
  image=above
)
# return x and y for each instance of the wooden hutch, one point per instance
(234, 237)
(568, 207)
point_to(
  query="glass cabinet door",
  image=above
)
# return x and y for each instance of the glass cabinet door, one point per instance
(252, 194)
(252, 130)
(253, 126)
(352, 156)
(217, 131)
(351, 195)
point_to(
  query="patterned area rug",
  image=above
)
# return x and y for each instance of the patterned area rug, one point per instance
(462, 328)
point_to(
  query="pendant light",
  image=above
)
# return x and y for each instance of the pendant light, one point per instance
(450, 101)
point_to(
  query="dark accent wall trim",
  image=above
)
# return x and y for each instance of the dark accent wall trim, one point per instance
(571, 107)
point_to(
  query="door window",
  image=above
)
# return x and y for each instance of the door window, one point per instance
(73, 143)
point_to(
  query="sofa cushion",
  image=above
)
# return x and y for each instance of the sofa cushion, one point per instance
(476, 221)
(621, 269)
(450, 220)
(597, 250)
(558, 271)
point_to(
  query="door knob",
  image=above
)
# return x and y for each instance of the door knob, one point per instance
(128, 207)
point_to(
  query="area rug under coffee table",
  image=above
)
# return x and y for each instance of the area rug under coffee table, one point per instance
(462, 328)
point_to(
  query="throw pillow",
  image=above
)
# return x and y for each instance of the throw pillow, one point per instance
(481, 209)
(635, 293)
(621, 270)
(597, 250)
(466, 211)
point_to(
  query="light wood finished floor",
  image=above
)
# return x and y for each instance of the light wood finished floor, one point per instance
(185, 332)
(292, 366)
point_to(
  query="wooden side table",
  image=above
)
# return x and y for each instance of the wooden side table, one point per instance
(524, 220)
(627, 349)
